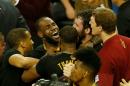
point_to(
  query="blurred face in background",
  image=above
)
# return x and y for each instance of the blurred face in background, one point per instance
(2, 45)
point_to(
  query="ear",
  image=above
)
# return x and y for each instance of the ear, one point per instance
(22, 44)
(100, 28)
(85, 74)
(40, 34)
(87, 30)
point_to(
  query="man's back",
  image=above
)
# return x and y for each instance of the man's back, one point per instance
(53, 64)
(11, 75)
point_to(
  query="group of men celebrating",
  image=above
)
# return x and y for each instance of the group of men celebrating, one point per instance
(68, 52)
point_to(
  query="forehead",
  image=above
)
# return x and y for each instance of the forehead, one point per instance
(45, 22)
(78, 63)
(28, 34)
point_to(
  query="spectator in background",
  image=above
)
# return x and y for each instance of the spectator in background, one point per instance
(85, 69)
(89, 4)
(2, 49)
(114, 55)
(63, 12)
(123, 16)
(113, 6)
(69, 9)
(32, 10)
(10, 17)
(2, 45)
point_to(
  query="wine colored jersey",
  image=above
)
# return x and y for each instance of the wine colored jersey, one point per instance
(115, 59)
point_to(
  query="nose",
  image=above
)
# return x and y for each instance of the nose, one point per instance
(55, 28)
(90, 22)
(32, 42)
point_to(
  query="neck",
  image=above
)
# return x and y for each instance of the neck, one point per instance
(104, 36)
(86, 41)
(87, 38)
(21, 50)
(120, 2)
(68, 48)
(50, 48)
(86, 82)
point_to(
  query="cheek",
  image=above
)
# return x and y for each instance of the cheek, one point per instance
(28, 44)
(76, 75)
(2, 46)
(31, 43)
(94, 30)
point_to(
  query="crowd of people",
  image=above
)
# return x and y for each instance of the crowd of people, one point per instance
(92, 50)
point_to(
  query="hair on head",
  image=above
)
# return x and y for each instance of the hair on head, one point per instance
(15, 36)
(69, 34)
(89, 57)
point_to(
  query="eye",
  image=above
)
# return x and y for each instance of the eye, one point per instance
(53, 24)
(47, 26)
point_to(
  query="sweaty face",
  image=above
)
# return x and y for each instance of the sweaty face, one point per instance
(28, 43)
(78, 72)
(95, 28)
(78, 24)
(49, 30)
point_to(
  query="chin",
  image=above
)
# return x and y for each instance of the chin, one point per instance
(57, 40)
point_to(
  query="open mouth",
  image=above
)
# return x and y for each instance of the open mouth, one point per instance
(56, 35)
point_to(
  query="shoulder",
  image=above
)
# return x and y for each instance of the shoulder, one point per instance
(11, 52)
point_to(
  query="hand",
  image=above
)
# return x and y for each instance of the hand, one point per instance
(124, 83)
(67, 69)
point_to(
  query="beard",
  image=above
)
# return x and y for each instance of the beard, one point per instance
(50, 40)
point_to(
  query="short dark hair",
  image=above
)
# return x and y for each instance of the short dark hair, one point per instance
(37, 24)
(89, 57)
(106, 18)
(15, 36)
(68, 34)
(85, 15)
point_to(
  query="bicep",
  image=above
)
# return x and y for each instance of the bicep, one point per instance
(20, 61)
(16, 60)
